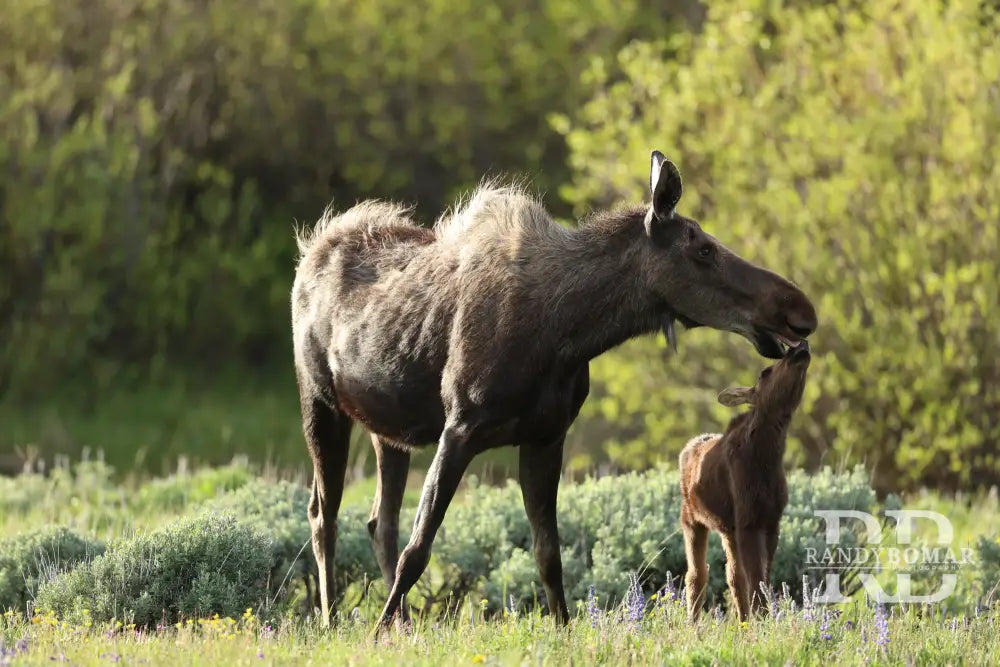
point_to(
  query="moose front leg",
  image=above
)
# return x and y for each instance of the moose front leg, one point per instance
(736, 576)
(753, 559)
(771, 546)
(445, 472)
(540, 468)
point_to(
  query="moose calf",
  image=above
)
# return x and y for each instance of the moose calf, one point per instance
(734, 483)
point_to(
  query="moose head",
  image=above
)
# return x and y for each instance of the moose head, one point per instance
(701, 282)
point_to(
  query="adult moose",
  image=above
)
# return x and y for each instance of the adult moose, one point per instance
(478, 334)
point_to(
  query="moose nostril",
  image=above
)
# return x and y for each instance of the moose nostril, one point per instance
(801, 330)
(802, 324)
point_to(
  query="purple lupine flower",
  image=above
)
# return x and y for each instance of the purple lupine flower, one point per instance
(635, 601)
(848, 625)
(22, 644)
(954, 624)
(824, 627)
(720, 616)
(593, 611)
(881, 627)
(260, 654)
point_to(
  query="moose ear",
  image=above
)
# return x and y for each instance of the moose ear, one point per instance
(736, 396)
(664, 184)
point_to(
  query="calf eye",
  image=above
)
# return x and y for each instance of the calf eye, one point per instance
(705, 251)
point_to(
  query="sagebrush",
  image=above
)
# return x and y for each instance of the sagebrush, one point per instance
(197, 566)
(30, 558)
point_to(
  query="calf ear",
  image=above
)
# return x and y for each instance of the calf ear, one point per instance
(665, 185)
(736, 396)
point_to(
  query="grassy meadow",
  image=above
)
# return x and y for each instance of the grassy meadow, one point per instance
(854, 635)
(158, 155)
(639, 628)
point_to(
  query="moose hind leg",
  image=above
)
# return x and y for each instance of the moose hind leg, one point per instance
(696, 581)
(445, 472)
(328, 435)
(540, 468)
(393, 464)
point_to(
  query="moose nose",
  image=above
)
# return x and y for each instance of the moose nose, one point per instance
(802, 330)
(802, 321)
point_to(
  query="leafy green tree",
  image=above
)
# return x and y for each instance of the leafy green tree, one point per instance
(155, 153)
(854, 147)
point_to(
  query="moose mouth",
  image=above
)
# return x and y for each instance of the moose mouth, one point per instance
(774, 345)
(768, 343)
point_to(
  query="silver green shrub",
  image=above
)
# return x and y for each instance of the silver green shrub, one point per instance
(192, 567)
(28, 559)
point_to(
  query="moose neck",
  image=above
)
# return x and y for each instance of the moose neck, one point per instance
(599, 300)
(766, 438)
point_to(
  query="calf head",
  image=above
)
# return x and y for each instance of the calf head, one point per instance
(778, 389)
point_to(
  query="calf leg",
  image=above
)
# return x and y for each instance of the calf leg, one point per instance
(328, 435)
(771, 546)
(540, 468)
(753, 559)
(735, 576)
(695, 548)
(446, 470)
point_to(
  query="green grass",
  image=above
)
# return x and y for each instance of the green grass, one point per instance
(201, 420)
(96, 501)
(662, 637)
(149, 426)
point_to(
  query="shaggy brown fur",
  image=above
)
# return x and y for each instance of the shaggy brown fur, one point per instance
(478, 334)
(735, 484)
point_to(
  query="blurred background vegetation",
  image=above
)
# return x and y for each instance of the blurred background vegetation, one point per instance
(155, 155)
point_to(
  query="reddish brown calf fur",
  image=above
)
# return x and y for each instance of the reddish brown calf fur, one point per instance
(734, 483)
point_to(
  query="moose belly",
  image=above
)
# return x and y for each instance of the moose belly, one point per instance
(392, 408)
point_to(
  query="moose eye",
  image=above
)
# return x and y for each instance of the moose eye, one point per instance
(705, 251)
(764, 373)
